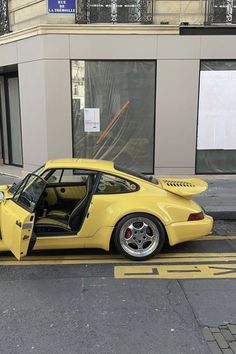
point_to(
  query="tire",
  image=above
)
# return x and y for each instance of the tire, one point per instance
(139, 236)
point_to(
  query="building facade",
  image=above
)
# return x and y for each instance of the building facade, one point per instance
(103, 79)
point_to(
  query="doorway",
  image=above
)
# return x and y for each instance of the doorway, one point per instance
(10, 120)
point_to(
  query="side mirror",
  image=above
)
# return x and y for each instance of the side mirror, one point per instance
(1, 196)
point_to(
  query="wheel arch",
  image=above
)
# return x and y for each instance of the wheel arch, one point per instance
(111, 247)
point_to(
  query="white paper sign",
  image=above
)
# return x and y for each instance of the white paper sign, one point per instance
(91, 120)
(217, 110)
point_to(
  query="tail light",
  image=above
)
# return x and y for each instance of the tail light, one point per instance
(196, 216)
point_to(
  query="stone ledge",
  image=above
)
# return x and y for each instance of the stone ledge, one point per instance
(89, 29)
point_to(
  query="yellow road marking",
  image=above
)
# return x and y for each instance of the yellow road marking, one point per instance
(116, 259)
(119, 257)
(216, 271)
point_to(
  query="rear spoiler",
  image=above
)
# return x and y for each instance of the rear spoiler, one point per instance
(185, 187)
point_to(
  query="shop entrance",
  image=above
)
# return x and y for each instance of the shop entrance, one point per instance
(10, 120)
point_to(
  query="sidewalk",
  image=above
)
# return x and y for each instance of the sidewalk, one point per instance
(218, 201)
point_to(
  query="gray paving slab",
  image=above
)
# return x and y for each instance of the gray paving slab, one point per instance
(224, 227)
(220, 340)
(227, 351)
(227, 335)
(233, 346)
(207, 334)
(232, 329)
(214, 348)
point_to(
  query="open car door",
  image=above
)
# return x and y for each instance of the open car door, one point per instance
(17, 215)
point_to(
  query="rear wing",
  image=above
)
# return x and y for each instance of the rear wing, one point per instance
(185, 187)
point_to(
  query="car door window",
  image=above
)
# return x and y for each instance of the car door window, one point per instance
(30, 192)
(110, 184)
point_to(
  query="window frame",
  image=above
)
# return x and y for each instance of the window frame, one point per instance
(201, 68)
(152, 170)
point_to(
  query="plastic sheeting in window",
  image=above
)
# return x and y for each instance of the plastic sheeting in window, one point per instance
(123, 92)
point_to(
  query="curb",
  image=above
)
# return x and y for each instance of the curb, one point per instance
(9, 175)
(222, 215)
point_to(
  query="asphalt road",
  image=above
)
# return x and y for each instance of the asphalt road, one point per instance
(93, 302)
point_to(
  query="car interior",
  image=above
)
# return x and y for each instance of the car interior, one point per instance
(63, 205)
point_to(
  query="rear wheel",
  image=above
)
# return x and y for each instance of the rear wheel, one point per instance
(139, 236)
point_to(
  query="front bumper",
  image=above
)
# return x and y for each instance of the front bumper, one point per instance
(189, 230)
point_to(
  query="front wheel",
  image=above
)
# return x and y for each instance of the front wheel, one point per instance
(139, 236)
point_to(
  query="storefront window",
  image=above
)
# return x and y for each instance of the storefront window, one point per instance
(113, 112)
(216, 143)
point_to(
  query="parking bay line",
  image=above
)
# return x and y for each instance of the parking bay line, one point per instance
(203, 271)
(164, 258)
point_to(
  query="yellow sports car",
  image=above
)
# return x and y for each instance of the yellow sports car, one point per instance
(79, 203)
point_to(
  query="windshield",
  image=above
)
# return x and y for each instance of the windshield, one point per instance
(12, 189)
(136, 174)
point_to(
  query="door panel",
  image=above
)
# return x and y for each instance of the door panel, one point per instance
(16, 228)
(64, 195)
(74, 192)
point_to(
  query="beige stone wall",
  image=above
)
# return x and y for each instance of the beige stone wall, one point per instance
(27, 13)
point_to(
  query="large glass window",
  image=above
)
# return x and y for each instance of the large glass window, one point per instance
(216, 143)
(113, 112)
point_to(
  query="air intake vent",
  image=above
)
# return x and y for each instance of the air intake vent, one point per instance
(178, 184)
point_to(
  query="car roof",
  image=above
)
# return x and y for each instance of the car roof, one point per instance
(86, 164)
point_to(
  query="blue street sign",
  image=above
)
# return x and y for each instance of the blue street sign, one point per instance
(61, 6)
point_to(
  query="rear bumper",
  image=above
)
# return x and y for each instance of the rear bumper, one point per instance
(189, 230)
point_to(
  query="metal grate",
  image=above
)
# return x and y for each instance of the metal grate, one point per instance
(220, 12)
(178, 183)
(114, 11)
(4, 20)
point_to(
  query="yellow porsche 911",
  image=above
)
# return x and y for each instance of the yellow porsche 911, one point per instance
(79, 203)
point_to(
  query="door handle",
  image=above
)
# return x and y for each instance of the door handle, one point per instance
(18, 223)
